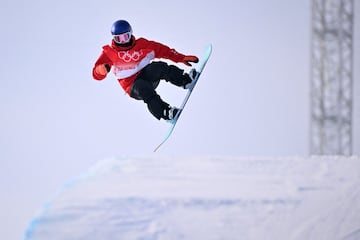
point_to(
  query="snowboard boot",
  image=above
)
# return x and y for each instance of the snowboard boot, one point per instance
(192, 75)
(170, 113)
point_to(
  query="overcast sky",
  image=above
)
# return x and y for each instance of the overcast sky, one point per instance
(56, 121)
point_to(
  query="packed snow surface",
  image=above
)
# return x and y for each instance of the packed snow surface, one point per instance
(210, 198)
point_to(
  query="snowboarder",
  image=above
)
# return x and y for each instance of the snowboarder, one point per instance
(137, 73)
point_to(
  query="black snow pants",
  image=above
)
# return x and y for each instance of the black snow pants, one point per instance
(147, 81)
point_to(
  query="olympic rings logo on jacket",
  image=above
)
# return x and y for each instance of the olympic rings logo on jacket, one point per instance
(130, 56)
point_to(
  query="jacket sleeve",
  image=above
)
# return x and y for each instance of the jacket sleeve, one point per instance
(163, 51)
(103, 59)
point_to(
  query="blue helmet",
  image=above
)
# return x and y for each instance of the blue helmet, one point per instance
(120, 27)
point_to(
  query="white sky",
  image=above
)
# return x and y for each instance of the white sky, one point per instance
(253, 98)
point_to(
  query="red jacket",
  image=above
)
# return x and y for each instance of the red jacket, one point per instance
(127, 62)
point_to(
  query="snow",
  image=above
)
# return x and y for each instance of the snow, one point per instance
(209, 198)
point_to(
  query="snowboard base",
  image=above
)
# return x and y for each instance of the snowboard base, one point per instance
(199, 68)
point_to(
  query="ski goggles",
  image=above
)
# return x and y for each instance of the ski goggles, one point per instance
(122, 38)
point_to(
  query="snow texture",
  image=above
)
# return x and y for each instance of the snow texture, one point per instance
(208, 198)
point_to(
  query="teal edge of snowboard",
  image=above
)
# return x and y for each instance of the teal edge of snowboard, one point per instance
(199, 68)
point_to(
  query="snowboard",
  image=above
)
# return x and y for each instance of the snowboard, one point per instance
(199, 68)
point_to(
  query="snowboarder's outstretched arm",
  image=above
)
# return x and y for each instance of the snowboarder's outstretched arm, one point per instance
(163, 51)
(102, 67)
